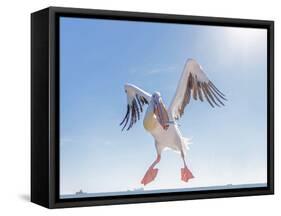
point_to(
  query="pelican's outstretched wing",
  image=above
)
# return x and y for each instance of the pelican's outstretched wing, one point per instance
(136, 99)
(194, 83)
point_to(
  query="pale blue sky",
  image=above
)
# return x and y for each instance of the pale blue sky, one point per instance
(99, 56)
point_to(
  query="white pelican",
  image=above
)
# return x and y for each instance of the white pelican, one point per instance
(161, 122)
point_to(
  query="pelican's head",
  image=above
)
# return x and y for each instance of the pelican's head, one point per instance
(156, 95)
(160, 110)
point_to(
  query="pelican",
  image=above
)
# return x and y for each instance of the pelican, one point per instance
(161, 122)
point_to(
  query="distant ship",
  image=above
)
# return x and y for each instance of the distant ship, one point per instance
(80, 192)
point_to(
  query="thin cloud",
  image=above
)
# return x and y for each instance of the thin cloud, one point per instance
(154, 70)
(161, 70)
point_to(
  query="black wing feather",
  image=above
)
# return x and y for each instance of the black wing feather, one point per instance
(133, 111)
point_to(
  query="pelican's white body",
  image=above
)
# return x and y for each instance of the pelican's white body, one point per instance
(164, 139)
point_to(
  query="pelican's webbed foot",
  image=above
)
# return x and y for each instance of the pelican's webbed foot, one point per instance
(186, 174)
(149, 176)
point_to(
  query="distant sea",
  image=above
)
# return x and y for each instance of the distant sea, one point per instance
(82, 194)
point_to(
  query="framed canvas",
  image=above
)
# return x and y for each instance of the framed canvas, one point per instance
(138, 107)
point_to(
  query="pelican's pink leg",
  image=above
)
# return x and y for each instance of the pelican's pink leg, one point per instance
(185, 172)
(151, 172)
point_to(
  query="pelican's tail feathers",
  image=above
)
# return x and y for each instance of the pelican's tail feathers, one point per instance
(185, 143)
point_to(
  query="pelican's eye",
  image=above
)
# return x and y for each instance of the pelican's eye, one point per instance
(125, 90)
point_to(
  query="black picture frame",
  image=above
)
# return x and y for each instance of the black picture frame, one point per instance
(45, 104)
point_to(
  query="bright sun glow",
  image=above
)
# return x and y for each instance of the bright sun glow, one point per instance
(248, 37)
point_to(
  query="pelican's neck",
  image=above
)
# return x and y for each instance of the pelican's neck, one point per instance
(150, 121)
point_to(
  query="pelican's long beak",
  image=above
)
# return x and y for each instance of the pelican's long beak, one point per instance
(161, 113)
